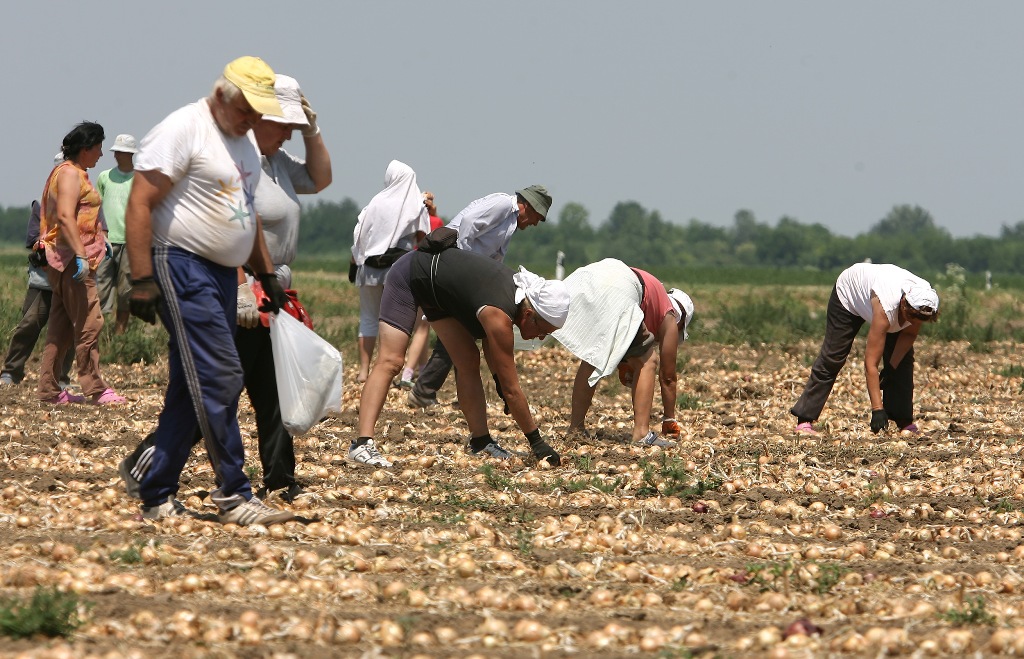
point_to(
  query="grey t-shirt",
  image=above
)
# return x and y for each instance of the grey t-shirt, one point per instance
(284, 178)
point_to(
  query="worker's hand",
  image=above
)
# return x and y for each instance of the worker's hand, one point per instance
(81, 268)
(312, 130)
(248, 314)
(144, 299)
(542, 450)
(879, 420)
(275, 297)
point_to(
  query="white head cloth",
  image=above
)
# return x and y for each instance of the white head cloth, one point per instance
(550, 298)
(394, 213)
(682, 303)
(922, 296)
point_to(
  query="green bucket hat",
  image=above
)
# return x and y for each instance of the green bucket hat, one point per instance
(538, 198)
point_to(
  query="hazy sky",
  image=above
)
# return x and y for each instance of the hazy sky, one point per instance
(823, 111)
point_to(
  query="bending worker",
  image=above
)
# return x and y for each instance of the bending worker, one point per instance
(465, 296)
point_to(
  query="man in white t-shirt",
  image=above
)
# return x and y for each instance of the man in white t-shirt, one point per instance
(895, 302)
(190, 224)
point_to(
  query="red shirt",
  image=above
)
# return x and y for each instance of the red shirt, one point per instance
(655, 304)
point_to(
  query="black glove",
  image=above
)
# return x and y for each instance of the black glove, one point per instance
(352, 270)
(275, 298)
(37, 258)
(144, 299)
(497, 385)
(879, 420)
(542, 450)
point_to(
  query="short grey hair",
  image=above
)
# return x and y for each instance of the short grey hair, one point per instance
(229, 89)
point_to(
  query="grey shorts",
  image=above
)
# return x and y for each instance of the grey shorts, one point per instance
(397, 305)
(642, 342)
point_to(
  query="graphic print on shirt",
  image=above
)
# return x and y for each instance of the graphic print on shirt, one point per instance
(228, 190)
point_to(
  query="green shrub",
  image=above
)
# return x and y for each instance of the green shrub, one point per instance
(768, 316)
(50, 613)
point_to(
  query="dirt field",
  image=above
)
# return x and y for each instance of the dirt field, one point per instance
(884, 544)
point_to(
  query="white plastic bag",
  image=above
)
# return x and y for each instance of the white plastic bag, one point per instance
(308, 371)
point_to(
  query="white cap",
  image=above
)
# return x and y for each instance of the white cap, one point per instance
(549, 297)
(125, 143)
(683, 306)
(289, 96)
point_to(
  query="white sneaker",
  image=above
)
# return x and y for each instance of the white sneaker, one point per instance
(254, 511)
(6, 380)
(492, 450)
(170, 508)
(368, 454)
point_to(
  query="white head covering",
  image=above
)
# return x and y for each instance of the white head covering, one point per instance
(682, 304)
(394, 213)
(919, 296)
(550, 298)
(289, 96)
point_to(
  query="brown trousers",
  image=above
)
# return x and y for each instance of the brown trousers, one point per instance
(75, 323)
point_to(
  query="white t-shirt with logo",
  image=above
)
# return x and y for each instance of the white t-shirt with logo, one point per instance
(209, 210)
(888, 282)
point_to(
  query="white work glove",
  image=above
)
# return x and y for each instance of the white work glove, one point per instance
(248, 314)
(312, 130)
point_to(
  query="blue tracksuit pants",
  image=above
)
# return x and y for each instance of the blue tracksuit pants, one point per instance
(205, 379)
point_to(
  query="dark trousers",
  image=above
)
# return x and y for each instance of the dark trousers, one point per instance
(35, 311)
(841, 329)
(434, 372)
(277, 454)
(204, 380)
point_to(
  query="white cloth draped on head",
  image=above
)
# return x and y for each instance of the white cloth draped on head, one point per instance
(604, 317)
(550, 298)
(394, 213)
(922, 297)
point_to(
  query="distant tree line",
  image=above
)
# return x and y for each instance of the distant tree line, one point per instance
(907, 236)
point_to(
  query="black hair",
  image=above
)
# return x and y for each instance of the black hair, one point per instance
(83, 136)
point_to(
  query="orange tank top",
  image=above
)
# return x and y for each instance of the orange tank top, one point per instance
(59, 253)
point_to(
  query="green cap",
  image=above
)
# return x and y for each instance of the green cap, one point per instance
(538, 198)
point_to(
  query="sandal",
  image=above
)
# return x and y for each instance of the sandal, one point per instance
(64, 397)
(108, 397)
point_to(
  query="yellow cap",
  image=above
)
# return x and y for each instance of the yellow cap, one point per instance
(256, 80)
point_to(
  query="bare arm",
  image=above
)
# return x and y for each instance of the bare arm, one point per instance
(148, 189)
(318, 161)
(67, 209)
(668, 345)
(498, 353)
(874, 350)
(259, 259)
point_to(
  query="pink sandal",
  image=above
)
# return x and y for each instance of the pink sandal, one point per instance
(64, 397)
(108, 397)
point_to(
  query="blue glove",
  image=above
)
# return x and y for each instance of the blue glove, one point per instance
(81, 268)
(109, 251)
